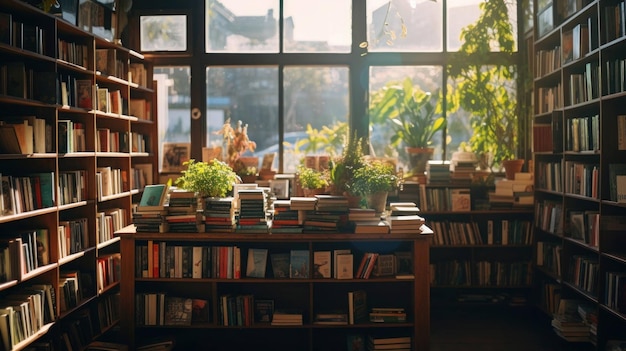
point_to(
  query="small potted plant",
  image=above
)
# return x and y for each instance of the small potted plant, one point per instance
(374, 181)
(342, 168)
(414, 116)
(209, 179)
(311, 180)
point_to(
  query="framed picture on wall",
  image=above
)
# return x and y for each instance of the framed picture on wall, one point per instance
(174, 155)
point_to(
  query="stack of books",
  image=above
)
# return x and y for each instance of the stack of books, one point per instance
(568, 324)
(285, 219)
(438, 172)
(182, 214)
(515, 192)
(331, 318)
(149, 215)
(219, 214)
(287, 317)
(387, 315)
(252, 213)
(400, 343)
(330, 214)
(406, 223)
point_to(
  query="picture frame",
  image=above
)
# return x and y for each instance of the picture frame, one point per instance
(174, 155)
(280, 188)
(211, 153)
(268, 161)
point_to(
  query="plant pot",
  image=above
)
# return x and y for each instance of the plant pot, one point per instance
(418, 158)
(248, 178)
(511, 167)
(354, 201)
(312, 192)
(377, 201)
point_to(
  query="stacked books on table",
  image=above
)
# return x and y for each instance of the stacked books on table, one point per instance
(182, 214)
(149, 216)
(285, 219)
(219, 214)
(253, 209)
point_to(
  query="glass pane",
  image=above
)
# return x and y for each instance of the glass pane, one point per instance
(242, 26)
(461, 13)
(315, 112)
(249, 95)
(486, 121)
(174, 104)
(163, 33)
(423, 80)
(405, 25)
(325, 27)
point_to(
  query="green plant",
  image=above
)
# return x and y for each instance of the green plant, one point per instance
(342, 168)
(485, 90)
(214, 178)
(414, 115)
(310, 178)
(373, 177)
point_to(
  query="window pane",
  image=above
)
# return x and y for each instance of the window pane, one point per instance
(487, 116)
(325, 27)
(163, 33)
(425, 79)
(317, 97)
(462, 13)
(173, 98)
(246, 94)
(242, 26)
(406, 25)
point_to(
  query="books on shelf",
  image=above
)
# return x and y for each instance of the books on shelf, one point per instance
(256, 263)
(299, 264)
(321, 264)
(357, 306)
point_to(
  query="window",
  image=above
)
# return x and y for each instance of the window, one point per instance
(303, 75)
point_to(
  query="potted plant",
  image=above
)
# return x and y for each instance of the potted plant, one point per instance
(311, 180)
(374, 181)
(414, 116)
(237, 142)
(209, 179)
(342, 168)
(488, 91)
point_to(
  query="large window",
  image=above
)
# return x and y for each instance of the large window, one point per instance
(303, 76)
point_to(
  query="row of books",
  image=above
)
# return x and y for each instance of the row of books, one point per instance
(584, 273)
(167, 310)
(583, 133)
(73, 236)
(108, 271)
(25, 135)
(22, 253)
(503, 232)
(547, 61)
(483, 273)
(73, 52)
(25, 312)
(27, 193)
(22, 35)
(110, 181)
(108, 222)
(549, 256)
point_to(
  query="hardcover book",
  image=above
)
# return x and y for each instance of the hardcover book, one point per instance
(280, 265)
(263, 311)
(178, 311)
(257, 262)
(321, 264)
(153, 197)
(345, 266)
(299, 264)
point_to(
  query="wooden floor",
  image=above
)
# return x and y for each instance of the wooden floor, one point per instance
(494, 328)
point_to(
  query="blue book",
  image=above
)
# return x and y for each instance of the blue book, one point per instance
(256, 264)
(299, 263)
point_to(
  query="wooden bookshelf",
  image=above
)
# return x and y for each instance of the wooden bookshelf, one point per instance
(307, 294)
(49, 77)
(576, 254)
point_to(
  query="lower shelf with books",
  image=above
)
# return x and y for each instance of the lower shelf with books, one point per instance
(255, 306)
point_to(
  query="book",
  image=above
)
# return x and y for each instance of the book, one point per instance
(299, 264)
(263, 310)
(345, 266)
(321, 264)
(335, 254)
(357, 306)
(460, 200)
(178, 310)
(85, 90)
(153, 197)
(256, 263)
(280, 265)
(199, 310)
(355, 342)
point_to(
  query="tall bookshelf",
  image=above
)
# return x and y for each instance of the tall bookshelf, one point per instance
(53, 184)
(579, 94)
(310, 295)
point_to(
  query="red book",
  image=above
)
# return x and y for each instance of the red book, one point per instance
(155, 260)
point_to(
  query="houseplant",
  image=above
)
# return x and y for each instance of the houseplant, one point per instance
(373, 181)
(414, 116)
(311, 180)
(342, 168)
(209, 179)
(487, 91)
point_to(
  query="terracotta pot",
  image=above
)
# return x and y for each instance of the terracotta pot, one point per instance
(418, 158)
(511, 167)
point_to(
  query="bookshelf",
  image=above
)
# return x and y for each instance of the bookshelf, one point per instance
(55, 200)
(579, 92)
(310, 296)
